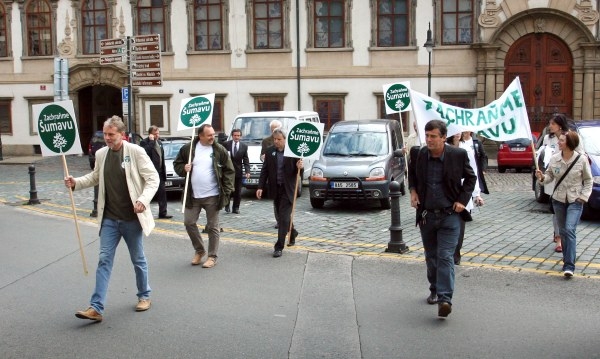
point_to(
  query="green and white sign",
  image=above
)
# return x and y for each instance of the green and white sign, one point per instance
(502, 120)
(397, 97)
(195, 111)
(304, 139)
(57, 128)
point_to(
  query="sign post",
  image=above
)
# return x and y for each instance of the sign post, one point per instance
(304, 140)
(193, 113)
(57, 129)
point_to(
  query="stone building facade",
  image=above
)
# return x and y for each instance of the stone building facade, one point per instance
(331, 56)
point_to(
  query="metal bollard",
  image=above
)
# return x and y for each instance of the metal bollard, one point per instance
(396, 244)
(32, 191)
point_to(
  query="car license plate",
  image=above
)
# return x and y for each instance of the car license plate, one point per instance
(251, 181)
(344, 185)
(518, 149)
(168, 183)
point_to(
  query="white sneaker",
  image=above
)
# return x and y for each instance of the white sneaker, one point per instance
(568, 273)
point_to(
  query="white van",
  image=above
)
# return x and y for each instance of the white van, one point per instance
(255, 127)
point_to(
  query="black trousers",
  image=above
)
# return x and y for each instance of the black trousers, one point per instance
(283, 204)
(237, 192)
(161, 197)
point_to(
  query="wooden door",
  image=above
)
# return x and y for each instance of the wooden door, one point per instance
(544, 64)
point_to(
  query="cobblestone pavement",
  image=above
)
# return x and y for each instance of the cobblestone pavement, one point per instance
(512, 231)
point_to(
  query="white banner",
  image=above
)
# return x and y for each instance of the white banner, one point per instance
(503, 119)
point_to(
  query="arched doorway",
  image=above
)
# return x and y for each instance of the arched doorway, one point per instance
(96, 104)
(96, 93)
(544, 65)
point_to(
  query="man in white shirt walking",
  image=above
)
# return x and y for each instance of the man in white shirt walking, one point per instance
(211, 183)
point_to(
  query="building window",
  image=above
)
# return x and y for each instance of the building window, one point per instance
(462, 102)
(327, 20)
(39, 32)
(268, 24)
(94, 27)
(3, 33)
(155, 112)
(217, 117)
(208, 25)
(392, 23)
(393, 116)
(457, 22)
(152, 19)
(268, 102)
(35, 100)
(330, 109)
(5, 118)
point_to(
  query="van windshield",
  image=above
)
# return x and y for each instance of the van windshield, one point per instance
(356, 144)
(255, 129)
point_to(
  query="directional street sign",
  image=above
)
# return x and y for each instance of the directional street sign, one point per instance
(145, 56)
(146, 48)
(112, 51)
(145, 65)
(146, 61)
(152, 82)
(144, 74)
(111, 47)
(146, 39)
(110, 59)
(112, 43)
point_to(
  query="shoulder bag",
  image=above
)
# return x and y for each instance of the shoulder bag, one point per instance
(551, 207)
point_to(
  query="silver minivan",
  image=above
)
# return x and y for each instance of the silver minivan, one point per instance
(358, 161)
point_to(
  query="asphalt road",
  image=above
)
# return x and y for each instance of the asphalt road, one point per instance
(335, 295)
(303, 305)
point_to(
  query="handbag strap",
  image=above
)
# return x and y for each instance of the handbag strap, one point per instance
(565, 175)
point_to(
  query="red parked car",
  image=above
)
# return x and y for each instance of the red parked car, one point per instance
(516, 154)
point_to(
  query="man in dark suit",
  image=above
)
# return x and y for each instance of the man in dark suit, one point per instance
(441, 183)
(238, 152)
(280, 173)
(154, 149)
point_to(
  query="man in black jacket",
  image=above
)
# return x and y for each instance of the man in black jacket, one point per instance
(280, 173)
(154, 149)
(441, 183)
(238, 151)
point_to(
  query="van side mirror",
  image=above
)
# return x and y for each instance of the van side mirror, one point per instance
(398, 153)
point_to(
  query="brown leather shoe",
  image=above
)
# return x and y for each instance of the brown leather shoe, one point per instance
(143, 305)
(90, 314)
(210, 262)
(444, 308)
(197, 258)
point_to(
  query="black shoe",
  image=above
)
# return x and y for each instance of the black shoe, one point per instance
(293, 238)
(227, 209)
(236, 211)
(457, 261)
(94, 213)
(432, 299)
(277, 254)
(444, 308)
(165, 216)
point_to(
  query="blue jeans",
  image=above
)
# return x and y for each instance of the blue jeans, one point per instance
(440, 236)
(567, 217)
(111, 232)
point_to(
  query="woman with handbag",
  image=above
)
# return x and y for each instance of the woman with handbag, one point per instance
(573, 176)
(549, 145)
